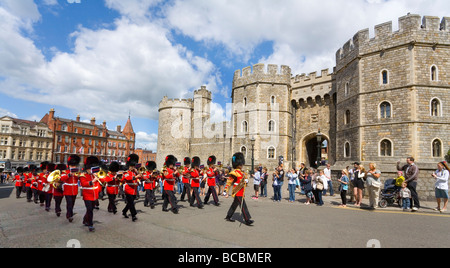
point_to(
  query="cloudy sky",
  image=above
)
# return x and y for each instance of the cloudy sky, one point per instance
(111, 58)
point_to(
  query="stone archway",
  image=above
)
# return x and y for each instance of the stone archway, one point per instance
(309, 152)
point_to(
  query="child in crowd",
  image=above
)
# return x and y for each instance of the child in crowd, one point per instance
(405, 195)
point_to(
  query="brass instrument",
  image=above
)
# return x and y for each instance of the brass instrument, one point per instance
(142, 170)
(242, 184)
(53, 179)
(101, 175)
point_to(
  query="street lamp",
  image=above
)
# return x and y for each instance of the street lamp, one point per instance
(252, 141)
(319, 147)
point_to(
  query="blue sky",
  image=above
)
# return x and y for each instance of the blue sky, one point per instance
(109, 58)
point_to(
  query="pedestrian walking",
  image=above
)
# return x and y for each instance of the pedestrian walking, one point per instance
(405, 195)
(343, 187)
(441, 186)
(373, 183)
(292, 184)
(411, 173)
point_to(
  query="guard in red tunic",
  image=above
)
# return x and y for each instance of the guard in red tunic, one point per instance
(211, 181)
(91, 187)
(47, 189)
(194, 174)
(130, 180)
(149, 179)
(27, 179)
(70, 184)
(41, 178)
(58, 192)
(239, 180)
(112, 186)
(186, 179)
(169, 176)
(18, 178)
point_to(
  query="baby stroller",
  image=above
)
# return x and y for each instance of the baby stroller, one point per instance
(390, 194)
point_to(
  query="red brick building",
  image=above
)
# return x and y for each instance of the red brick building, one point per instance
(145, 155)
(86, 139)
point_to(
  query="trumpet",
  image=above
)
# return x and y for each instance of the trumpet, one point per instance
(101, 175)
(53, 179)
(142, 170)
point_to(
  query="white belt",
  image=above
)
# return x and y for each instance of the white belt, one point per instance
(236, 184)
(90, 188)
(71, 184)
(131, 184)
(112, 185)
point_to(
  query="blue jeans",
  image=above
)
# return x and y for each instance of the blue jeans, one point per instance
(330, 188)
(292, 192)
(277, 193)
(406, 203)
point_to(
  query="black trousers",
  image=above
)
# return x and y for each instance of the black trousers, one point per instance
(88, 219)
(70, 203)
(48, 199)
(112, 203)
(58, 201)
(238, 200)
(412, 185)
(195, 197)
(29, 193)
(186, 190)
(130, 205)
(149, 197)
(169, 197)
(18, 191)
(212, 190)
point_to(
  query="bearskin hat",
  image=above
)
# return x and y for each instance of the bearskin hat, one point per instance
(170, 160)
(187, 161)
(51, 167)
(20, 170)
(32, 168)
(74, 160)
(61, 167)
(43, 165)
(132, 160)
(26, 169)
(114, 167)
(90, 162)
(238, 160)
(150, 165)
(211, 160)
(196, 161)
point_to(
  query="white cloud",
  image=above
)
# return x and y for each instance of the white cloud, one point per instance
(146, 141)
(4, 112)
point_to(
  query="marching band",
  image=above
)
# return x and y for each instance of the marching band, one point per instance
(63, 181)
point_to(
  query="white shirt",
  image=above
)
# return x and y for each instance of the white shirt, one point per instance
(442, 179)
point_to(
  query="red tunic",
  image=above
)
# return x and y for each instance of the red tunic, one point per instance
(112, 186)
(185, 175)
(19, 182)
(195, 178)
(27, 179)
(90, 189)
(130, 183)
(70, 183)
(169, 179)
(237, 180)
(211, 177)
(150, 183)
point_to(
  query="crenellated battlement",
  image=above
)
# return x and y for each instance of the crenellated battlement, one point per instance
(311, 79)
(273, 74)
(412, 29)
(167, 103)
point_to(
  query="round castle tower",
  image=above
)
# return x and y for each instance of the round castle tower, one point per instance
(262, 110)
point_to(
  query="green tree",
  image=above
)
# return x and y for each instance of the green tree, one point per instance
(447, 157)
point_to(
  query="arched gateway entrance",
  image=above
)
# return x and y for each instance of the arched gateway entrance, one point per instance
(310, 151)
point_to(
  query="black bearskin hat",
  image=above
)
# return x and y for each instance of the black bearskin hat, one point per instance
(90, 162)
(114, 167)
(170, 160)
(61, 167)
(132, 160)
(32, 168)
(74, 160)
(43, 165)
(187, 161)
(211, 160)
(51, 167)
(150, 165)
(20, 170)
(196, 161)
(238, 160)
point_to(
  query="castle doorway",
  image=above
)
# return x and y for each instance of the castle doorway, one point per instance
(310, 152)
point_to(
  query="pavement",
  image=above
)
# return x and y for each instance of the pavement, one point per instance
(277, 225)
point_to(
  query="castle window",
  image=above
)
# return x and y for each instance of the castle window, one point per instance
(346, 90)
(271, 152)
(245, 101)
(244, 151)
(386, 148)
(273, 100)
(435, 107)
(347, 149)
(347, 117)
(437, 148)
(271, 126)
(385, 110)
(384, 77)
(244, 127)
(434, 73)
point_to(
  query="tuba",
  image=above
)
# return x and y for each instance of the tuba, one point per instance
(53, 179)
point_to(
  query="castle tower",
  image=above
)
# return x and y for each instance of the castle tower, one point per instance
(174, 129)
(201, 112)
(262, 110)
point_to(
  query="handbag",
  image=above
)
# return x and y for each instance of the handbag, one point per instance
(319, 185)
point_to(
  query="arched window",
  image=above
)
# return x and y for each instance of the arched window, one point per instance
(346, 90)
(244, 151)
(273, 100)
(271, 126)
(244, 126)
(434, 73)
(347, 149)
(271, 152)
(385, 110)
(435, 107)
(437, 148)
(347, 117)
(386, 148)
(384, 77)
(245, 101)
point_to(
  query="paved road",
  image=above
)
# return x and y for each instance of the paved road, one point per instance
(277, 225)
